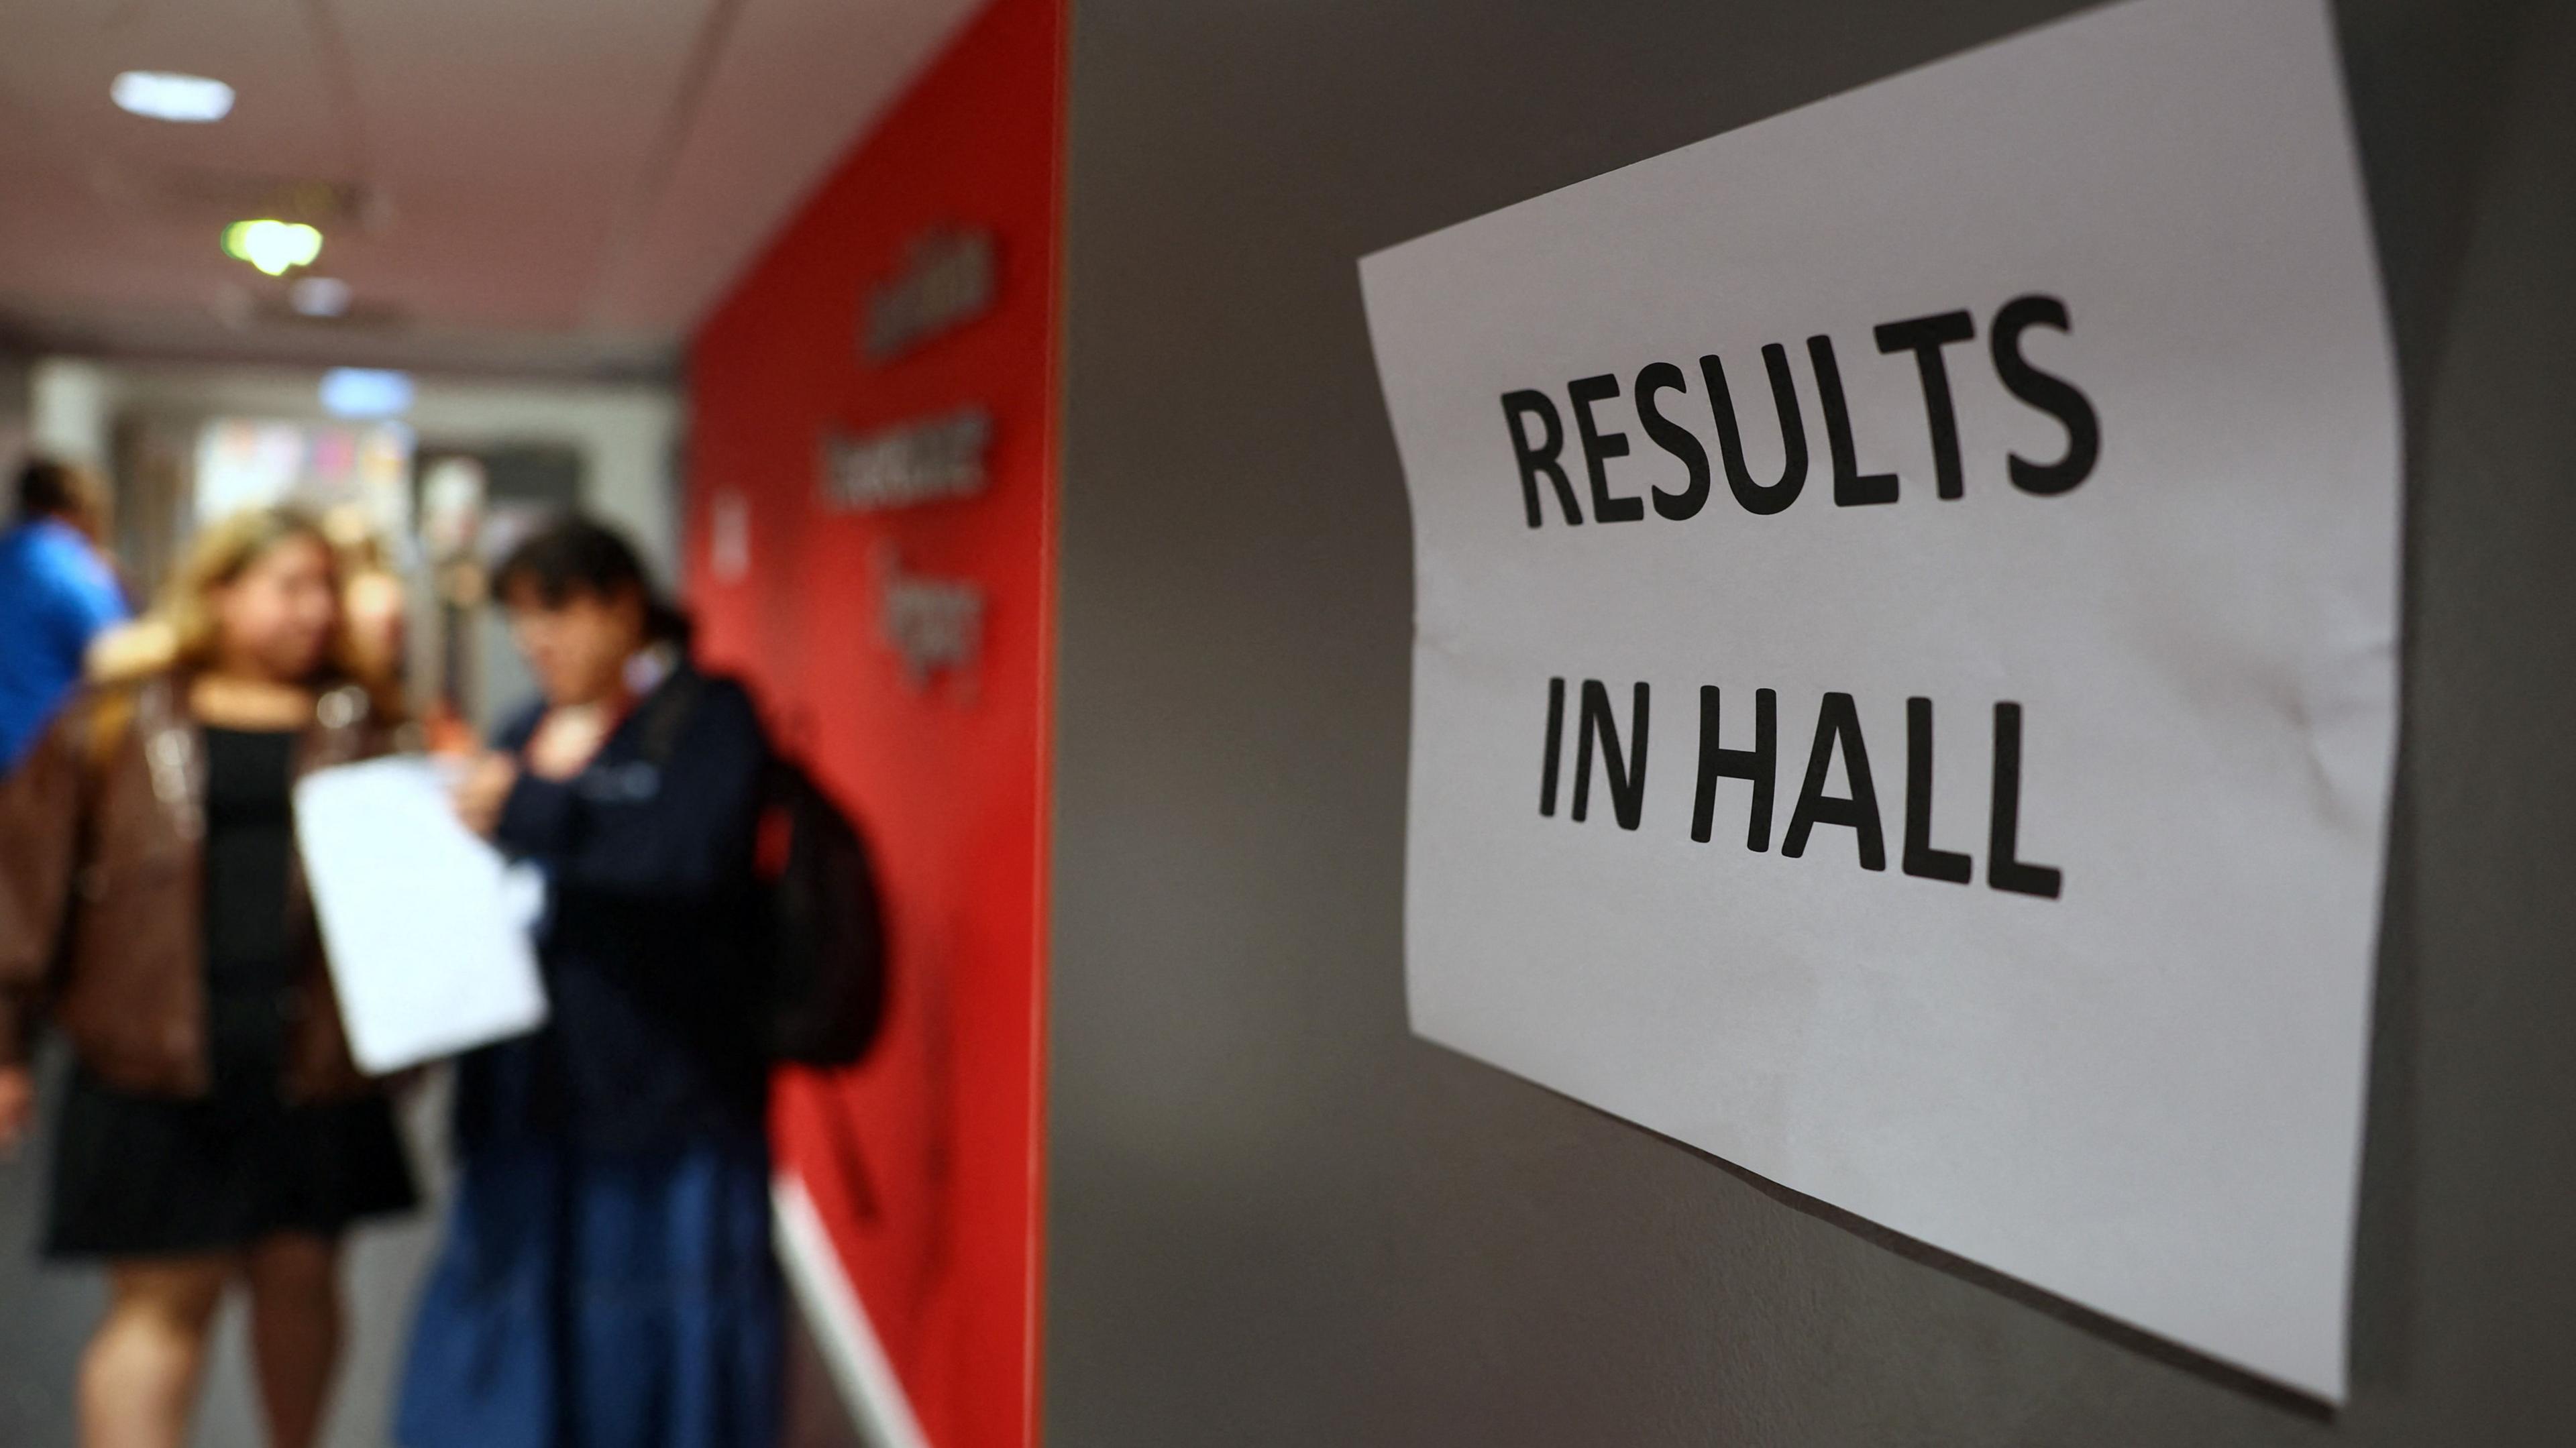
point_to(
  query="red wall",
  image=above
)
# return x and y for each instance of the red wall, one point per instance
(923, 1160)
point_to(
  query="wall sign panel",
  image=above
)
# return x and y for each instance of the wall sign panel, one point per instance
(1905, 687)
(947, 281)
(919, 462)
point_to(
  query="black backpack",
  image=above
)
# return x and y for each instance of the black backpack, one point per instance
(820, 921)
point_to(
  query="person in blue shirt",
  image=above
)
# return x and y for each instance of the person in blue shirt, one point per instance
(56, 595)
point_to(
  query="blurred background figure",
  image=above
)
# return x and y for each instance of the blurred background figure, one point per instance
(607, 1279)
(374, 603)
(58, 593)
(214, 1129)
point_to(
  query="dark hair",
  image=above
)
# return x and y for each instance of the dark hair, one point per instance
(51, 488)
(575, 555)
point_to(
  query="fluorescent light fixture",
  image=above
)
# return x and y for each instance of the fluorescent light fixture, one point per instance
(365, 392)
(167, 96)
(273, 246)
(319, 296)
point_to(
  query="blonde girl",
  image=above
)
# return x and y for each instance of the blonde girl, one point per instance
(213, 1131)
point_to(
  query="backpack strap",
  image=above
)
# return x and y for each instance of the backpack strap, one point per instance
(666, 716)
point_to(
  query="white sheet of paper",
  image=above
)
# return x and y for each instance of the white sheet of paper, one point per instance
(426, 926)
(2145, 1093)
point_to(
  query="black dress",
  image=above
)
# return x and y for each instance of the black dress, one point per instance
(143, 1175)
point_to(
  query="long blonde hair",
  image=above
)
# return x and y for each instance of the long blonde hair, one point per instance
(183, 632)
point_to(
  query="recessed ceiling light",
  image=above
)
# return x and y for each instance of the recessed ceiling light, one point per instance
(167, 96)
(273, 246)
(365, 392)
(319, 296)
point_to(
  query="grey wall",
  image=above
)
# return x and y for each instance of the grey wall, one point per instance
(1274, 1218)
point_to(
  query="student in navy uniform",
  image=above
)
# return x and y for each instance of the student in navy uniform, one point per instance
(607, 1279)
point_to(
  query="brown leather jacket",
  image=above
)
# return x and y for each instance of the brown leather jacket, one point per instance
(101, 922)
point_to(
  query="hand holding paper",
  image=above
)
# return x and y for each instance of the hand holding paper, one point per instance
(481, 791)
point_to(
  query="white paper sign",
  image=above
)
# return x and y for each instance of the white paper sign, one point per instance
(426, 926)
(2037, 921)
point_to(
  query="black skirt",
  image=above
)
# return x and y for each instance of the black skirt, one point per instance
(148, 1175)
(138, 1176)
